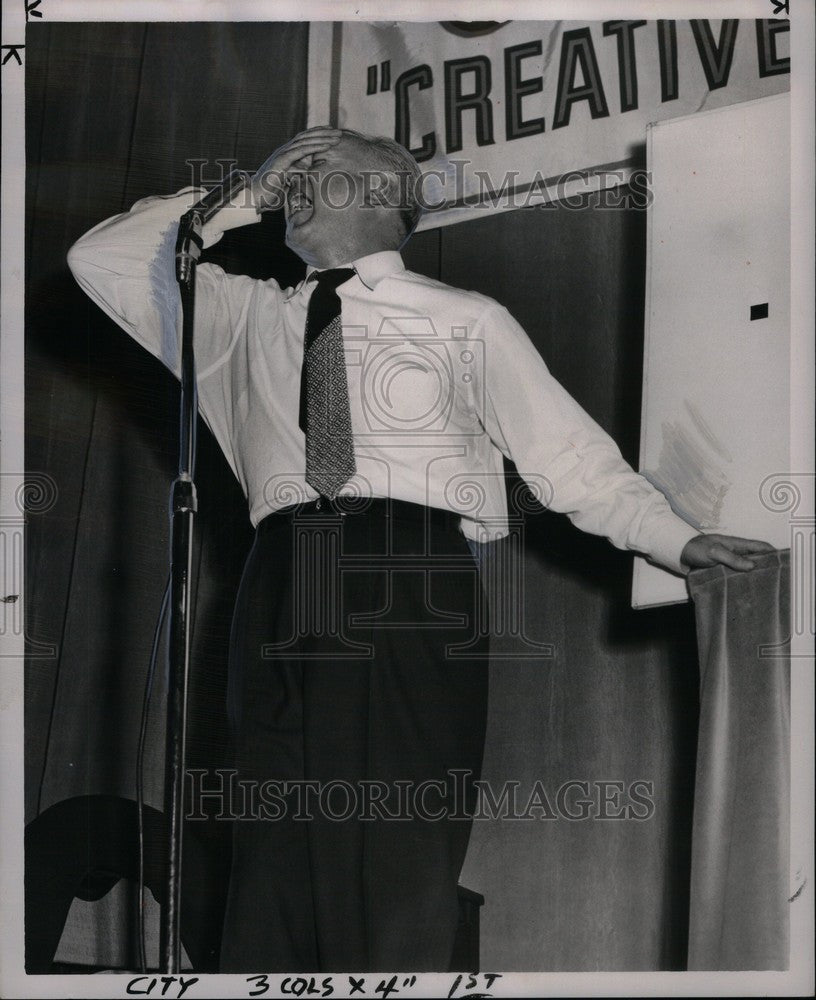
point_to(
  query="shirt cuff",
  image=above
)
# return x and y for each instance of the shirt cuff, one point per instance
(240, 212)
(669, 544)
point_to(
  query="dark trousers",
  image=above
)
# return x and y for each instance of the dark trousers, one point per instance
(358, 666)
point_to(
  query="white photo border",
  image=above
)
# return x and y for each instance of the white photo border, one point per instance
(13, 980)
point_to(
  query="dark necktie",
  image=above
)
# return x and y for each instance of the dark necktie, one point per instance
(325, 415)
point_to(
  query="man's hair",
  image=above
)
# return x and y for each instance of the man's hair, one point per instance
(402, 176)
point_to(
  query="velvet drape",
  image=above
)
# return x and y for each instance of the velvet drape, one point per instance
(741, 838)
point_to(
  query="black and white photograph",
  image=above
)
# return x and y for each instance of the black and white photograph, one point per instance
(407, 499)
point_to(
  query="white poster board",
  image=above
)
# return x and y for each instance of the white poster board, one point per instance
(716, 409)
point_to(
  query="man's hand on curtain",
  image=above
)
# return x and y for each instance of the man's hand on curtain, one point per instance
(724, 550)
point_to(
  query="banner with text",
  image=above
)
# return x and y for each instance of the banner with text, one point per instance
(505, 115)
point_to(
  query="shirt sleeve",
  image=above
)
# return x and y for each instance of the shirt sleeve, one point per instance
(126, 265)
(562, 453)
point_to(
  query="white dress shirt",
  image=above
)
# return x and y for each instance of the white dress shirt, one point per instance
(442, 383)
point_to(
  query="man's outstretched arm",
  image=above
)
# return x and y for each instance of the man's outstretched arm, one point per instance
(536, 423)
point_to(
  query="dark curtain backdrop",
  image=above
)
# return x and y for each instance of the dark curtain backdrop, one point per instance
(113, 112)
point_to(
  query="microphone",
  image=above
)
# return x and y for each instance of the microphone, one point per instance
(189, 242)
(222, 194)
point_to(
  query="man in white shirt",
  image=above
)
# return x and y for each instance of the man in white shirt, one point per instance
(366, 413)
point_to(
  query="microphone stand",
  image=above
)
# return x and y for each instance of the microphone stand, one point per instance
(183, 507)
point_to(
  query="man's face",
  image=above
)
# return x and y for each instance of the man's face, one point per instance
(325, 214)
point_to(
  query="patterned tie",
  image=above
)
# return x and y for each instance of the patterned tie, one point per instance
(325, 415)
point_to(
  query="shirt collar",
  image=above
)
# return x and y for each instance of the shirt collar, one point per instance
(372, 268)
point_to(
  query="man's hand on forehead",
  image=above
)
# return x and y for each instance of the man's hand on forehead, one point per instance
(269, 182)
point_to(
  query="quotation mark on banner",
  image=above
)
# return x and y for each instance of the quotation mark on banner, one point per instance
(384, 77)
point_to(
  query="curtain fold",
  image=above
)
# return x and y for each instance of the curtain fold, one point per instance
(740, 840)
(116, 112)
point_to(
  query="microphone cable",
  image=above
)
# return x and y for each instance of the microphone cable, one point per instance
(140, 753)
